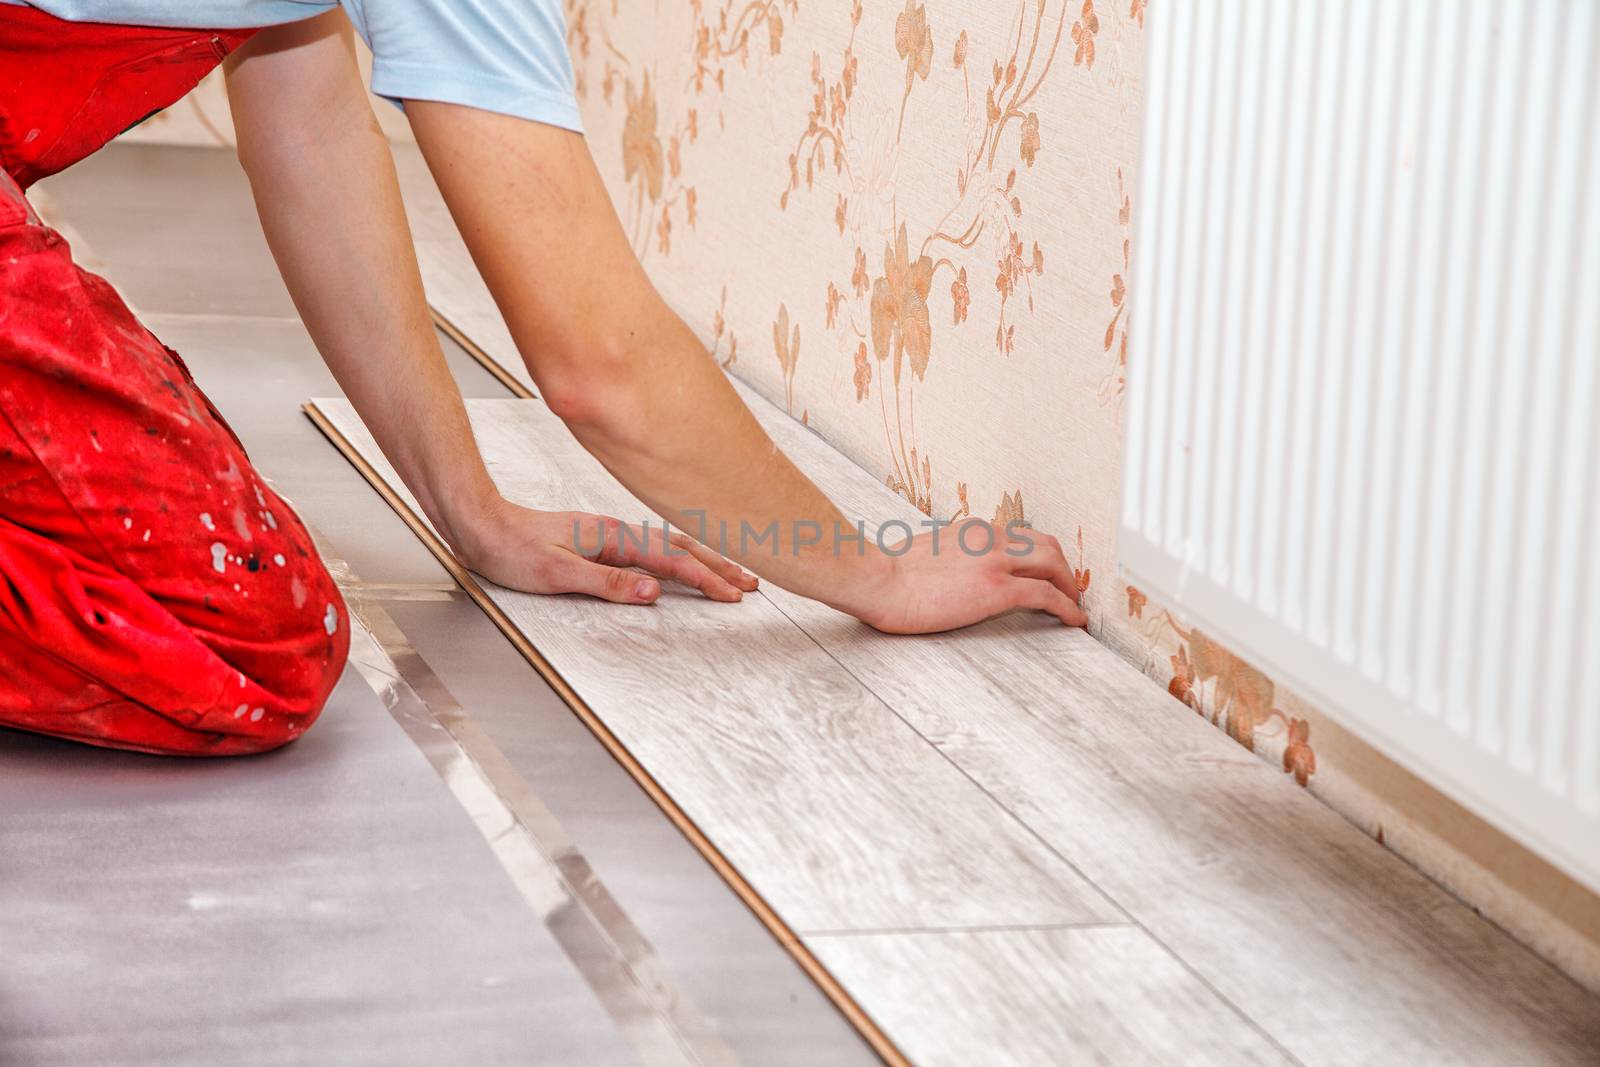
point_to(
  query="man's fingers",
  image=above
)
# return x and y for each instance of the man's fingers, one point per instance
(680, 558)
(1048, 563)
(691, 572)
(720, 565)
(681, 563)
(1045, 596)
(620, 586)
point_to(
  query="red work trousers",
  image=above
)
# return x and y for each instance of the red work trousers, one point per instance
(155, 594)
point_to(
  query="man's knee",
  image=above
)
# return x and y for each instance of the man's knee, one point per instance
(285, 655)
(305, 699)
(302, 666)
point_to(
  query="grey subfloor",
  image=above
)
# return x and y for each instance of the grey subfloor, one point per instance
(334, 903)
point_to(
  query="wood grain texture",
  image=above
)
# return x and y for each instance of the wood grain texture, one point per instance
(760, 878)
(1107, 995)
(1327, 942)
(829, 986)
(845, 816)
(1335, 946)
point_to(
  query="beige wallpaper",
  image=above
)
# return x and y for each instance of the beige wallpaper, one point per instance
(910, 224)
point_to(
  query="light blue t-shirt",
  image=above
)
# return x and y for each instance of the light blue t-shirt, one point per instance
(508, 56)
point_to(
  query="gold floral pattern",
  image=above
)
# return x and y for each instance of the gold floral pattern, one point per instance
(1242, 695)
(641, 147)
(1239, 698)
(1116, 379)
(719, 328)
(1030, 137)
(653, 155)
(788, 348)
(1080, 572)
(1010, 510)
(863, 372)
(1083, 34)
(913, 42)
(825, 130)
(898, 320)
(1298, 759)
(900, 325)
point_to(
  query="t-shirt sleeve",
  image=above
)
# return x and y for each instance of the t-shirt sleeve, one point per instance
(508, 56)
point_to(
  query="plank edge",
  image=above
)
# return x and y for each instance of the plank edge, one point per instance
(500, 373)
(764, 912)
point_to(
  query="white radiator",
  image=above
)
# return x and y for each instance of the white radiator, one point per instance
(1364, 384)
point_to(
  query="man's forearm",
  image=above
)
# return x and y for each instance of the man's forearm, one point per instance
(673, 430)
(329, 202)
(630, 379)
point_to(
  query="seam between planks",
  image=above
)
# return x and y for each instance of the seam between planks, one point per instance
(1049, 846)
(486, 361)
(998, 928)
(853, 1012)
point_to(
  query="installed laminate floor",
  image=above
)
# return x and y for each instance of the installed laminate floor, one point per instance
(1020, 782)
(1336, 947)
(1313, 935)
(838, 814)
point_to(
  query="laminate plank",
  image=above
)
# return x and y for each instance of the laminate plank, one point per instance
(839, 816)
(1333, 945)
(1083, 995)
(843, 816)
(1343, 952)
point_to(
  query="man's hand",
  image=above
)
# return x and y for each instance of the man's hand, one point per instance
(576, 552)
(967, 572)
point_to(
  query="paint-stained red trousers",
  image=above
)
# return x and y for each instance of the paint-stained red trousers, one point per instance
(155, 594)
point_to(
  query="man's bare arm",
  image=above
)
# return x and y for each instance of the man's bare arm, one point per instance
(329, 201)
(642, 394)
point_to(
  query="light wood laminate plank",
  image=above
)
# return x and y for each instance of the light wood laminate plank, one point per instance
(841, 815)
(1334, 946)
(1088, 995)
(833, 855)
(1339, 949)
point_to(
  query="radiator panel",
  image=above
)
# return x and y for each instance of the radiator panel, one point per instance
(1363, 385)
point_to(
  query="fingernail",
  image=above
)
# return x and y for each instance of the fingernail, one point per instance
(644, 590)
